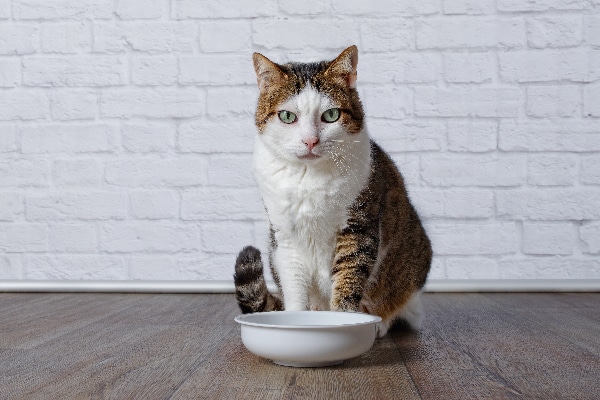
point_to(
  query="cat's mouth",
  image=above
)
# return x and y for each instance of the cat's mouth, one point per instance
(309, 156)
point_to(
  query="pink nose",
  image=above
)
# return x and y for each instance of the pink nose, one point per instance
(311, 142)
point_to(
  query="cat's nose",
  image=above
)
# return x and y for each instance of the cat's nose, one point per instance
(311, 142)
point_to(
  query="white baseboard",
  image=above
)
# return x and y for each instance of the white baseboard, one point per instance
(434, 285)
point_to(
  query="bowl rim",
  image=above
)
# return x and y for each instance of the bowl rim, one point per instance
(242, 319)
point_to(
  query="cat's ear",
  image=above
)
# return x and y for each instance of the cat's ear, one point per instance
(344, 66)
(267, 72)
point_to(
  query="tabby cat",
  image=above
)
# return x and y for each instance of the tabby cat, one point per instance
(344, 235)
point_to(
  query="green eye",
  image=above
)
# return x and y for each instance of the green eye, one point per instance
(331, 115)
(287, 116)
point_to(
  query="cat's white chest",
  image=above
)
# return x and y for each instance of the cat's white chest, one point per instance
(305, 204)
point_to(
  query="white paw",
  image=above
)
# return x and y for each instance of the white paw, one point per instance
(382, 328)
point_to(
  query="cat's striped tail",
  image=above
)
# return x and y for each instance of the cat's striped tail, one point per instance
(250, 286)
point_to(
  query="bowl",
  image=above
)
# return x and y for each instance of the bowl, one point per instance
(308, 338)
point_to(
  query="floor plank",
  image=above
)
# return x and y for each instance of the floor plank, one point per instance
(176, 346)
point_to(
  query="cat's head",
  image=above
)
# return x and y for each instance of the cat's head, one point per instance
(307, 111)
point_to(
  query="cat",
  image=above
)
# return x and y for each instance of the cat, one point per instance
(343, 233)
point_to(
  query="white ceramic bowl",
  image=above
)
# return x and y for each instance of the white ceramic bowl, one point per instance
(308, 338)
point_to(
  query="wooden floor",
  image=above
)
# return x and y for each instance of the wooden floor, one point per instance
(137, 346)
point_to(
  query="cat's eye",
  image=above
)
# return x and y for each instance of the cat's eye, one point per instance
(287, 116)
(331, 115)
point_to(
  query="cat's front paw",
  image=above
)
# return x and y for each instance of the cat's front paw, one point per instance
(345, 307)
(382, 328)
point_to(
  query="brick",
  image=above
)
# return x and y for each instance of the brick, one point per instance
(222, 70)
(591, 100)
(152, 102)
(88, 205)
(23, 238)
(18, 38)
(73, 238)
(472, 135)
(75, 267)
(10, 72)
(5, 12)
(548, 204)
(77, 172)
(470, 7)
(170, 172)
(307, 7)
(11, 205)
(542, 5)
(24, 104)
(592, 29)
(225, 36)
(358, 7)
(471, 268)
(473, 239)
(292, 33)
(150, 37)
(562, 31)
(469, 67)
(428, 7)
(8, 138)
(551, 170)
(553, 101)
(82, 70)
(399, 68)
(140, 9)
(387, 35)
(215, 204)
(184, 9)
(590, 237)
(154, 70)
(549, 268)
(226, 236)
(474, 102)
(382, 101)
(470, 32)
(154, 268)
(453, 203)
(590, 170)
(205, 136)
(473, 170)
(159, 204)
(74, 105)
(153, 237)
(149, 137)
(229, 101)
(549, 136)
(11, 267)
(24, 172)
(62, 9)
(541, 238)
(205, 267)
(550, 65)
(396, 136)
(230, 170)
(73, 37)
(68, 138)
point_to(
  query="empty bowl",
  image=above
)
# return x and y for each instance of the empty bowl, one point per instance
(308, 338)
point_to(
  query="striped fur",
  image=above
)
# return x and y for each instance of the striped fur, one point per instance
(250, 287)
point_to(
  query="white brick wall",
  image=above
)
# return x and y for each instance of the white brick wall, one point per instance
(126, 129)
